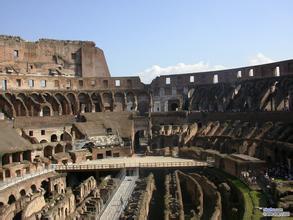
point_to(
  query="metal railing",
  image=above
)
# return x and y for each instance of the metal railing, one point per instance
(113, 212)
(12, 181)
(120, 176)
(92, 166)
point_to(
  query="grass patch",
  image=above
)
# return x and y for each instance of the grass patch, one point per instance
(252, 199)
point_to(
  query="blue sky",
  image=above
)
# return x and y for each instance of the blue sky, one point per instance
(154, 37)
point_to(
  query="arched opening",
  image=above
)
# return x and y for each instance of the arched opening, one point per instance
(46, 111)
(6, 107)
(22, 193)
(7, 174)
(33, 109)
(100, 156)
(43, 141)
(56, 108)
(143, 103)
(48, 151)
(64, 104)
(56, 188)
(27, 155)
(19, 108)
(97, 102)
(73, 102)
(140, 142)
(174, 107)
(130, 102)
(108, 101)
(53, 138)
(45, 186)
(109, 131)
(11, 199)
(84, 102)
(33, 188)
(6, 159)
(58, 149)
(65, 137)
(16, 157)
(119, 102)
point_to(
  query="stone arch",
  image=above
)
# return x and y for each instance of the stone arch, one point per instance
(48, 151)
(59, 149)
(34, 188)
(130, 101)
(46, 186)
(137, 144)
(22, 193)
(108, 101)
(119, 102)
(54, 103)
(37, 97)
(6, 106)
(97, 102)
(5, 159)
(143, 101)
(65, 136)
(85, 104)
(65, 103)
(74, 103)
(32, 106)
(46, 110)
(54, 138)
(20, 108)
(173, 104)
(196, 99)
(18, 105)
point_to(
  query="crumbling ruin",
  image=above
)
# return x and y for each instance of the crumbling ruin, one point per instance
(59, 106)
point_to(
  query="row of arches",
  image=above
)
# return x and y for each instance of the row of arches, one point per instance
(49, 104)
(12, 198)
(65, 136)
(260, 95)
(50, 150)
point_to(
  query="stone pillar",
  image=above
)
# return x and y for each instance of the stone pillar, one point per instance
(82, 108)
(10, 158)
(136, 103)
(41, 113)
(73, 136)
(21, 156)
(166, 106)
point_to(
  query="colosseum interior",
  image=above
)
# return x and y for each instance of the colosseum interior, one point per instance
(77, 143)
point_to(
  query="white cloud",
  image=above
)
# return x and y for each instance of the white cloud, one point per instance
(151, 73)
(259, 58)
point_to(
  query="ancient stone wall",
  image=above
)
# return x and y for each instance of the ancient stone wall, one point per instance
(51, 57)
(194, 191)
